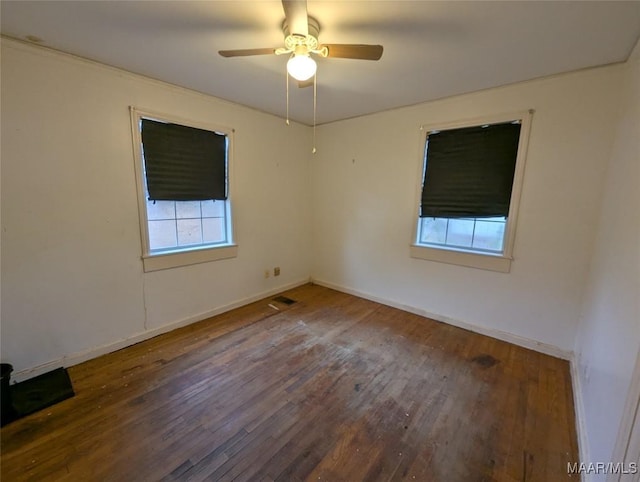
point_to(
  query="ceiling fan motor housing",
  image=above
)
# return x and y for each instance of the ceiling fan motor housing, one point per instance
(293, 41)
(314, 28)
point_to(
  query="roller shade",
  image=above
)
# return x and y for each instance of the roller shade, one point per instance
(469, 171)
(184, 163)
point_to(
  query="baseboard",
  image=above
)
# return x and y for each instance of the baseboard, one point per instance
(504, 336)
(522, 341)
(82, 356)
(578, 403)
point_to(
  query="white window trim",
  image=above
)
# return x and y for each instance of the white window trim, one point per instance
(500, 262)
(188, 255)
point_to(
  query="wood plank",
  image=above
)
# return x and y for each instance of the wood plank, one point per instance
(333, 387)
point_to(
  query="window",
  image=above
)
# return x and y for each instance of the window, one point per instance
(182, 169)
(471, 176)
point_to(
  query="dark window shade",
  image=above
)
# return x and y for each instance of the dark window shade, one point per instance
(469, 171)
(184, 163)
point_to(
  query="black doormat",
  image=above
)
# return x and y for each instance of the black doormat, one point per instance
(41, 392)
(284, 300)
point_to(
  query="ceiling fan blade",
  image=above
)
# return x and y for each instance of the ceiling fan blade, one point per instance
(245, 52)
(354, 51)
(295, 12)
(305, 83)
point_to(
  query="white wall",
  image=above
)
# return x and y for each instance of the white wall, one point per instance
(72, 278)
(364, 181)
(609, 338)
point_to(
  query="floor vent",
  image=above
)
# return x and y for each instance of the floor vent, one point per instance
(284, 300)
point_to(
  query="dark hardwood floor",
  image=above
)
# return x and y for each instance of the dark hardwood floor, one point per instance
(331, 388)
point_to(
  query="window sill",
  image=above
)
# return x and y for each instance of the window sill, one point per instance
(157, 262)
(491, 262)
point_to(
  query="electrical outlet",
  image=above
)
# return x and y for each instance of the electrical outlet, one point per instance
(276, 271)
(266, 273)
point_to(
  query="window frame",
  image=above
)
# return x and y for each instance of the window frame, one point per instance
(500, 262)
(187, 255)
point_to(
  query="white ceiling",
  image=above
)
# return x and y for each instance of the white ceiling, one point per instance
(432, 49)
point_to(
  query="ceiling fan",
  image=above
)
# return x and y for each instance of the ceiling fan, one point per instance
(301, 40)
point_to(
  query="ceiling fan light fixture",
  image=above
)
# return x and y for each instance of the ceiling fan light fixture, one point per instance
(301, 67)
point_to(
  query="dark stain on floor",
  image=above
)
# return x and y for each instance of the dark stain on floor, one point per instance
(485, 361)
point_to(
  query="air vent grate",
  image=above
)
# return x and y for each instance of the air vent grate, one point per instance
(284, 300)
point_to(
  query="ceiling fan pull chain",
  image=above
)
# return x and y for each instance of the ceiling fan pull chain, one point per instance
(315, 89)
(286, 79)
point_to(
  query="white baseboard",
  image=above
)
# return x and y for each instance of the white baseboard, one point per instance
(493, 333)
(79, 357)
(504, 336)
(82, 356)
(578, 403)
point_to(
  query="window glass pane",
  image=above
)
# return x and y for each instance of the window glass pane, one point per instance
(161, 210)
(213, 230)
(187, 209)
(189, 231)
(489, 234)
(162, 234)
(460, 232)
(212, 209)
(434, 230)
